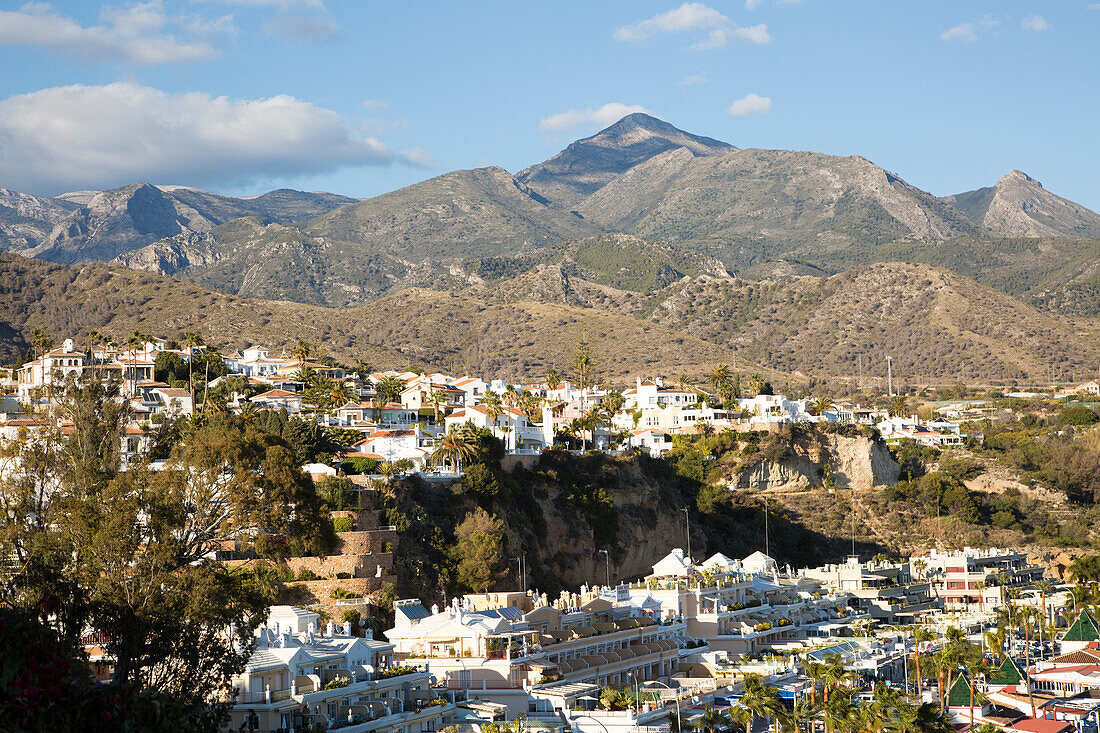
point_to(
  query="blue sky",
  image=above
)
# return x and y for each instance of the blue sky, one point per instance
(363, 97)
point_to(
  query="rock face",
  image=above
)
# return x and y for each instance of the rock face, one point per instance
(589, 164)
(783, 196)
(25, 219)
(1019, 206)
(85, 226)
(856, 463)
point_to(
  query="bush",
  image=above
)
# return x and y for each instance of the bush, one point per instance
(1078, 415)
(343, 524)
(307, 574)
(339, 593)
(343, 576)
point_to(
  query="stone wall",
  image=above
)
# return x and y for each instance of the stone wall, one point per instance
(363, 565)
(365, 520)
(365, 543)
(310, 592)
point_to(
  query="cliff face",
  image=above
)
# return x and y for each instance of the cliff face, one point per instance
(855, 463)
(648, 528)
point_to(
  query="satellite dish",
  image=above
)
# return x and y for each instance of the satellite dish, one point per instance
(433, 680)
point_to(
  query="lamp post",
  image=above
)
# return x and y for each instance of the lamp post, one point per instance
(679, 727)
(607, 566)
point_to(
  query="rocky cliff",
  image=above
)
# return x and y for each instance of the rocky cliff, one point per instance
(851, 462)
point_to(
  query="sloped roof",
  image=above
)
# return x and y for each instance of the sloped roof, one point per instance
(959, 694)
(1083, 629)
(1007, 674)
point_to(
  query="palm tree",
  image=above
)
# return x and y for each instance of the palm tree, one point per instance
(899, 406)
(390, 388)
(191, 339)
(720, 377)
(920, 635)
(132, 342)
(340, 393)
(713, 721)
(761, 701)
(303, 350)
(453, 447)
(995, 642)
(815, 670)
(820, 404)
(1044, 587)
(803, 714)
(511, 396)
(436, 398)
(494, 407)
(94, 337)
(553, 379)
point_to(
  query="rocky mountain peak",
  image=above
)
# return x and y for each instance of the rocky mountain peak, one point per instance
(1017, 176)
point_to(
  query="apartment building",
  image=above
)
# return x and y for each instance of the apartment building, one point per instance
(972, 579)
(517, 647)
(742, 606)
(300, 678)
(884, 591)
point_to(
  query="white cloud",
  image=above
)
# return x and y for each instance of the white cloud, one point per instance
(961, 32)
(139, 34)
(379, 105)
(969, 31)
(753, 4)
(301, 27)
(694, 79)
(83, 137)
(750, 104)
(721, 31)
(602, 116)
(1035, 23)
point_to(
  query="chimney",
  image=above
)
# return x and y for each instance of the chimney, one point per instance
(330, 630)
(347, 628)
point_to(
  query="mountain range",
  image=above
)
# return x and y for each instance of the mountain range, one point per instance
(642, 221)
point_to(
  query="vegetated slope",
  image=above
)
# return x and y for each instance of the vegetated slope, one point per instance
(436, 329)
(100, 225)
(934, 324)
(359, 252)
(1056, 274)
(253, 259)
(587, 165)
(468, 213)
(1018, 206)
(751, 206)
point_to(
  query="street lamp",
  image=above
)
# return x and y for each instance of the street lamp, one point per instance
(607, 566)
(676, 692)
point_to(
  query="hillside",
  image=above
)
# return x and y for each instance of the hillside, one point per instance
(589, 164)
(359, 252)
(752, 205)
(99, 225)
(442, 330)
(936, 324)
(1018, 206)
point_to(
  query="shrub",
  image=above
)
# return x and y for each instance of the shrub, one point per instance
(1078, 415)
(343, 576)
(307, 574)
(343, 524)
(339, 593)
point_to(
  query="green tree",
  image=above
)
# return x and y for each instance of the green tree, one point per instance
(479, 550)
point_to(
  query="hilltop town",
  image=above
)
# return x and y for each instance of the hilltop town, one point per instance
(652, 638)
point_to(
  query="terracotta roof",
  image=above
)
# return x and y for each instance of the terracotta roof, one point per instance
(1042, 725)
(174, 392)
(276, 393)
(1081, 656)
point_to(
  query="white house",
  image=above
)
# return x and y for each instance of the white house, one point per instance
(511, 425)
